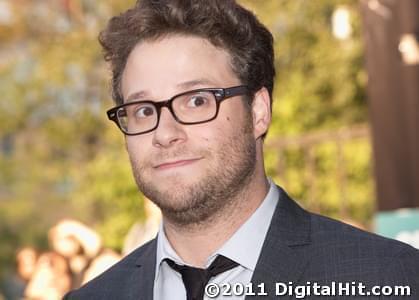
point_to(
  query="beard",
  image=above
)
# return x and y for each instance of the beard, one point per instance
(233, 163)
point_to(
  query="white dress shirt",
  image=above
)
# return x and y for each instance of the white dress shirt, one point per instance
(243, 247)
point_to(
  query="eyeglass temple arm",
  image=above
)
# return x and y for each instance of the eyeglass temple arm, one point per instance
(237, 90)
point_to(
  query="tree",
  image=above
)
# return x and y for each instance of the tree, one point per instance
(59, 156)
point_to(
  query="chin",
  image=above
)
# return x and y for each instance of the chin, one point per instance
(170, 180)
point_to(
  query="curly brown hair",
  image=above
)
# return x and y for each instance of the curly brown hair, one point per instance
(224, 23)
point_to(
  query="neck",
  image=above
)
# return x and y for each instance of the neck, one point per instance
(195, 243)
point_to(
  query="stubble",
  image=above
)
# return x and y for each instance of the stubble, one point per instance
(227, 176)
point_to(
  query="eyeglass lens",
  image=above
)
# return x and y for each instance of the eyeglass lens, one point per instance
(188, 108)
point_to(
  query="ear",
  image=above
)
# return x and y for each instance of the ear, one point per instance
(261, 111)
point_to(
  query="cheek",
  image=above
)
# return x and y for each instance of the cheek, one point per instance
(129, 144)
(208, 136)
(137, 148)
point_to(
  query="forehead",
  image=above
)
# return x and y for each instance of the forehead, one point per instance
(163, 65)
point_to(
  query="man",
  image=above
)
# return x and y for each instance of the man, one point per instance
(193, 83)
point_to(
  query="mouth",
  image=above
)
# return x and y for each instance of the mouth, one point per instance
(175, 164)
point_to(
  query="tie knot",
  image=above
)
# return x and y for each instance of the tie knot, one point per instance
(220, 265)
(195, 279)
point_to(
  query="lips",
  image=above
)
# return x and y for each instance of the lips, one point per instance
(175, 163)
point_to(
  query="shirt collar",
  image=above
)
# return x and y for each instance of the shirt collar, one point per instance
(239, 248)
(245, 245)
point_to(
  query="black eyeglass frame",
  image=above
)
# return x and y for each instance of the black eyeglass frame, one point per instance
(220, 95)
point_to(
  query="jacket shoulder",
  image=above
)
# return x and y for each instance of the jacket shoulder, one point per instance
(338, 234)
(342, 251)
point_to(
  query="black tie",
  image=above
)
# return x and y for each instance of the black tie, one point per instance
(195, 279)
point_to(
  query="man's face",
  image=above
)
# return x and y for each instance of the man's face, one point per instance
(190, 171)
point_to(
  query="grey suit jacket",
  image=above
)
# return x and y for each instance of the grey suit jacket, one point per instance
(300, 247)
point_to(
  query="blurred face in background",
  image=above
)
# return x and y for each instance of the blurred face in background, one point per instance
(51, 278)
(190, 171)
(26, 260)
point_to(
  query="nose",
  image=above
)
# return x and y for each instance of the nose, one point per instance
(169, 132)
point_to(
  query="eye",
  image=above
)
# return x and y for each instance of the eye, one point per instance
(197, 101)
(144, 112)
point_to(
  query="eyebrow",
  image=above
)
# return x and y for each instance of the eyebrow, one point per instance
(136, 95)
(195, 83)
(184, 86)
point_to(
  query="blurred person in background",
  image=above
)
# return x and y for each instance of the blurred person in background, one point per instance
(26, 262)
(83, 249)
(78, 243)
(142, 232)
(15, 283)
(51, 278)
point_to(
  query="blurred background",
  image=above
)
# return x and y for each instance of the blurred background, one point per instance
(343, 141)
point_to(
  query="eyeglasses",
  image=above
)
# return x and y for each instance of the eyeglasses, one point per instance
(191, 107)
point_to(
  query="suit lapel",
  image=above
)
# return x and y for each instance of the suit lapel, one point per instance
(142, 279)
(285, 252)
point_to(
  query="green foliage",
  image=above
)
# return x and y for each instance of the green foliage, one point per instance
(320, 85)
(53, 129)
(106, 193)
(60, 157)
